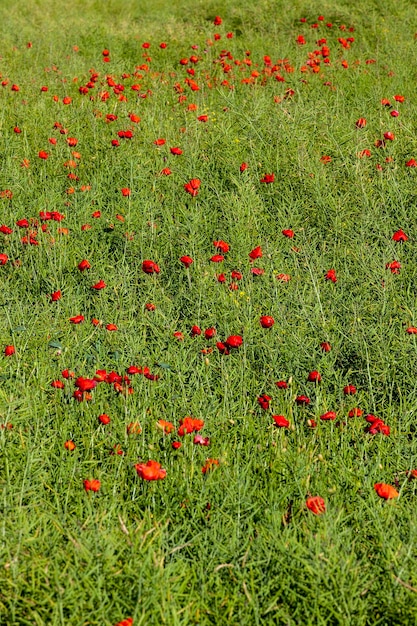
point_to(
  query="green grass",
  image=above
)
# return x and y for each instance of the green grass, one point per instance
(236, 545)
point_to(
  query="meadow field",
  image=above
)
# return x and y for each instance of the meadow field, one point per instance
(208, 340)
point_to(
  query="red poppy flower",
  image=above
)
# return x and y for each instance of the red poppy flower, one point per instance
(281, 421)
(394, 266)
(167, 427)
(243, 167)
(222, 348)
(387, 492)
(355, 412)
(301, 40)
(85, 384)
(104, 419)
(257, 271)
(92, 485)
(282, 384)
(268, 178)
(325, 159)
(256, 253)
(209, 333)
(399, 235)
(330, 415)
(150, 267)
(84, 265)
(217, 258)
(195, 331)
(314, 377)
(236, 275)
(361, 123)
(349, 390)
(288, 233)
(186, 261)
(193, 186)
(221, 278)
(217, 20)
(57, 384)
(176, 151)
(189, 425)
(221, 245)
(325, 346)
(125, 192)
(389, 136)
(9, 350)
(111, 327)
(43, 155)
(331, 275)
(411, 163)
(234, 341)
(77, 319)
(100, 285)
(166, 171)
(283, 278)
(69, 445)
(3, 258)
(266, 321)
(176, 445)
(55, 296)
(316, 505)
(302, 400)
(264, 401)
(399, 98)
(150, 306)
(179, 335)
(411, 330)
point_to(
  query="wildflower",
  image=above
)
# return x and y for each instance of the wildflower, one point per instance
(209, 333)
(234, 341)
(264, 401)
(314, 377)
(77, 319)
(193, 186)
(399, 235)
(100, 285)
(282, 384)
(221, 245)
(92, 485)
(209, 464)
(281, 421)
(186, 261)
(69, 445)
(189, 425)
(266, 321)
(151, 470)
(167, 427)
(150, 267)
(316, 505)
(256, 253)
(331, 275)
(387, 492)
(330, 415)
(84, 265)
(268, 178)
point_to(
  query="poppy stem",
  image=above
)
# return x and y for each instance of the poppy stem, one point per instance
(189, 277)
